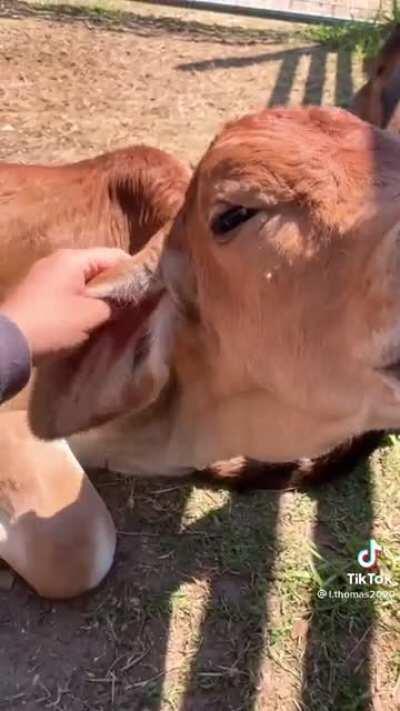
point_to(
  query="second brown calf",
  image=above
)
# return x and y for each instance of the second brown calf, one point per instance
(118, 199)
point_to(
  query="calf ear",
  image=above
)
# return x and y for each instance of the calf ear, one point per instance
(123, 367)
(168, 265)
(177, 271)
(133, 280)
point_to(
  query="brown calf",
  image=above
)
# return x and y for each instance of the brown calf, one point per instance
(378, 100)
(118, 199)
(297, 360)
(54, 528)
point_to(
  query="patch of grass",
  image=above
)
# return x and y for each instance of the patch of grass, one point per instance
(100, 11)
(363, 37)
(353, 36)
(104, 9)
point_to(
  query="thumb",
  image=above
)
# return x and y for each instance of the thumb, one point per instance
(95, 312)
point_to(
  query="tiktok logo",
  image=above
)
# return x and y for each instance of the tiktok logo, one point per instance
(368, 557)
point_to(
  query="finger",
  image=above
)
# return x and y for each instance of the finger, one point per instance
(90, 262)
(95, 313)
(99, 259)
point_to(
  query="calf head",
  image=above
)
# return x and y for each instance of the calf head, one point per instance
(291, 228)
(283, 266)
(377, 101)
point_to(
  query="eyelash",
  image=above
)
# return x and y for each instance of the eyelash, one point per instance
(227, 221)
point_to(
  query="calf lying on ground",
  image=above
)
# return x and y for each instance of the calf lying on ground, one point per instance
(117, 199)
(54, 528)
(219, 348)
(265, 322)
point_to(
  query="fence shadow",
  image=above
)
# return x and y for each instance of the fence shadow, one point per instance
(316, 77)
(111, 648)
(232, 641)
(337, 662)
(289, 62)
(233, 628)
(232, 549)
(115, 644)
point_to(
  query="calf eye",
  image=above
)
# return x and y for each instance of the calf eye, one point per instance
(228, 220)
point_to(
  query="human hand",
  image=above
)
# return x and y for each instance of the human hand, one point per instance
(50, 305)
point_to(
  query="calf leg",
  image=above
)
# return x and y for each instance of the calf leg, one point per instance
(55, 530)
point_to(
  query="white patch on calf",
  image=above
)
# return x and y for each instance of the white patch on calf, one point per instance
(103, 552)
(163, 325)
(3, 528)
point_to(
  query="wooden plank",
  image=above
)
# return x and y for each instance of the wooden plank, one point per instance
(332, 11)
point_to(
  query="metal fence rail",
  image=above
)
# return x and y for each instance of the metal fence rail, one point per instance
(303, 10)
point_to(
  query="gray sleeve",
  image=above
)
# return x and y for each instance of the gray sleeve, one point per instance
(15, 359)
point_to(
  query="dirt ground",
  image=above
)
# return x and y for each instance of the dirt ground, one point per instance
(73, 87)
(211, 603)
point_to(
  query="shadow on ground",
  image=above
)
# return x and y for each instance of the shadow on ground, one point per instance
(289, 63)
(150, 26)
(142, 25)
(110, 648)
(337, 672)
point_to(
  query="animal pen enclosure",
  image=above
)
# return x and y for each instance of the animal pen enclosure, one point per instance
(212, 603)
(304, 10)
